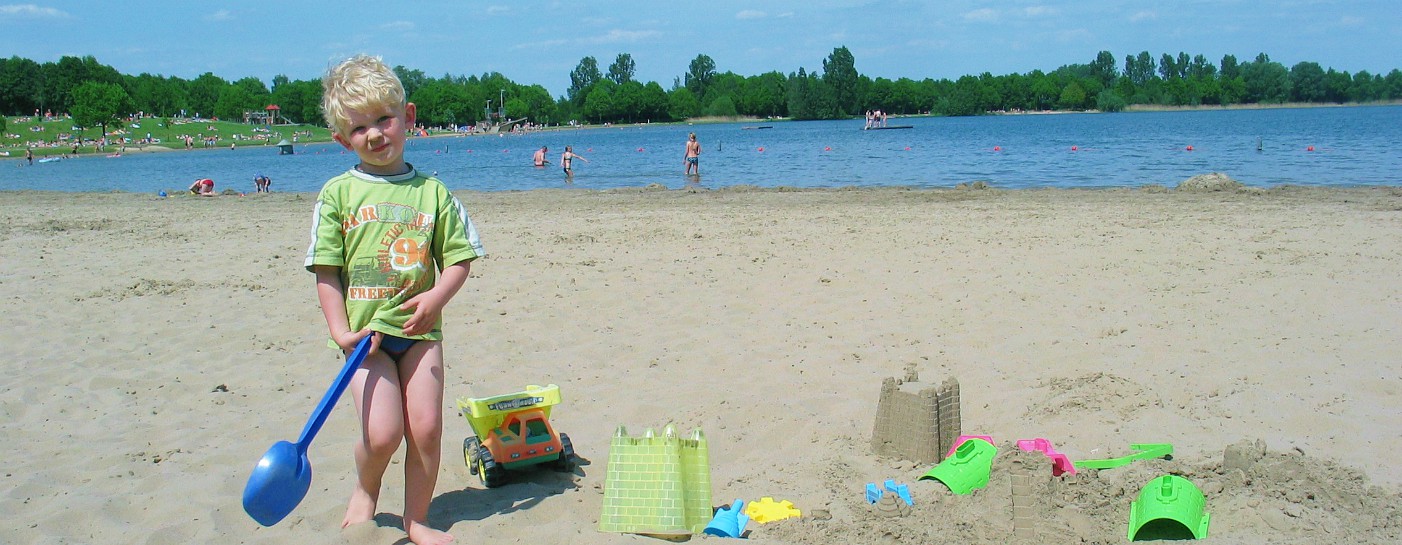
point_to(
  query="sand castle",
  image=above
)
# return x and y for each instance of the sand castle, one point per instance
(917, 426)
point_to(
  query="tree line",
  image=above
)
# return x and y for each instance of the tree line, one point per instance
(99, 94)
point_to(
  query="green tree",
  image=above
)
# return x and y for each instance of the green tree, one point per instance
(1307, 82)
(1392, 83)
(682, 104)
(762, 95)
(1336, 86)
(599, 105)
(582, 78)
(1233, 90)
(412, 80)
(1073, 97)
(1109, 101)
(698, 75)
(654, 102)
(840, 74)
(621, 71)
(1140, 68)
(1229, 67)
(797, 95)
(245, 95)
(1044, 91)
(1103, 68)
(204, 94)
(722, 106)
(20, 86)
(540, 108)
(442, 103)
(1266, 81)
(1365, 87)
(99, 105)
(628, 101)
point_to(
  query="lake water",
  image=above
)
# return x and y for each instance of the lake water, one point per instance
(1308, 146)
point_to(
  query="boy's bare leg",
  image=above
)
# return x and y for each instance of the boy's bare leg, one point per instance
(375, 388)
(421, 373)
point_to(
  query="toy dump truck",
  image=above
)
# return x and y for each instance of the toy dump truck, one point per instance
(513, 432)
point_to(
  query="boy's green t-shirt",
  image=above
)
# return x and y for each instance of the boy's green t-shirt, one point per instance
(390, 236)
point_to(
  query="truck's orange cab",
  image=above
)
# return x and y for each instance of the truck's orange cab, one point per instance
(514, 448)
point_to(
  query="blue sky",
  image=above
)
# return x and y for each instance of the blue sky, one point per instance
(539, 42)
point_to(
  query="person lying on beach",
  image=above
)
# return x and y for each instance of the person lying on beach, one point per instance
(409, 243)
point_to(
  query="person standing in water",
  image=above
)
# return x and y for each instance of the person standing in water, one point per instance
(693, 155)
(568, 157)
(539, 158)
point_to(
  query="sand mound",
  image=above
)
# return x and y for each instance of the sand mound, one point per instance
(1215, 181)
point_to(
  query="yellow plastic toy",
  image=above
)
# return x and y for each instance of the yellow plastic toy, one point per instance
(768, 510)
(513, 432)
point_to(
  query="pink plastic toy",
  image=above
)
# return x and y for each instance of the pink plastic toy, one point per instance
(1060, 463)
(960, 440)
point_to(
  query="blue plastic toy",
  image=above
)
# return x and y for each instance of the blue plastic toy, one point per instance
(901, 490)
(729, 521)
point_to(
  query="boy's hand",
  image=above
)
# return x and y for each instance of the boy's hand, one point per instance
(348, 340)
(427, 307)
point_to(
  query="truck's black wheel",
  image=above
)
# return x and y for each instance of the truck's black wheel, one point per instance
(567, 461)
(492, 474)
(469, 453)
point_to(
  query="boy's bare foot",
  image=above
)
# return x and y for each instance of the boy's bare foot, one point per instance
(423, 535)
(360, 509)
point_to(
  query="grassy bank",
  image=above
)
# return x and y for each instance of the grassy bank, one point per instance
(56, 136)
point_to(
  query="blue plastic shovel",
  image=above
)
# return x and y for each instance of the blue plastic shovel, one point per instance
(281, 478)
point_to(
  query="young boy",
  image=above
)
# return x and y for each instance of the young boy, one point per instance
(379, 231)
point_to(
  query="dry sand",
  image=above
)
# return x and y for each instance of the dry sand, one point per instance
(158, 347)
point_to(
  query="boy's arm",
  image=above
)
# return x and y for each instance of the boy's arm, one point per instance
(428, 306)
(332, 295)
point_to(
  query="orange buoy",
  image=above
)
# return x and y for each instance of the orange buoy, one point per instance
(1074, 148)
(1189, 148)
(997, 148)
(1311, 148)
(640, 149)
(827, 148)
(761, 148)
(907, 148)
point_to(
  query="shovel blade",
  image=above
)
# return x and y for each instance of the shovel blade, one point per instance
(278, 483)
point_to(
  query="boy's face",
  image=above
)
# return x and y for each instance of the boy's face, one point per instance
(377, 136)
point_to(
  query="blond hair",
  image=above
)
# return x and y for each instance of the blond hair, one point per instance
(359, 83)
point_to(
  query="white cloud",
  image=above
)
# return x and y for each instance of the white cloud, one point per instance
(498, 10)
(785, 15)
(221, 15)
(1038, 11)
(622, 36)
(31, 10)
(1074, 35)
(1143, 16)
(750, 14)
(547, 44)
(984, 15)
(400, 26)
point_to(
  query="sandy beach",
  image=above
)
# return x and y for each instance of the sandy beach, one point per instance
(159, 346)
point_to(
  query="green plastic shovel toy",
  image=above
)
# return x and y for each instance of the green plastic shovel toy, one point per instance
(1145, 451)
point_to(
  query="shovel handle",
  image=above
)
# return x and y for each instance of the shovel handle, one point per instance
(328, 401)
